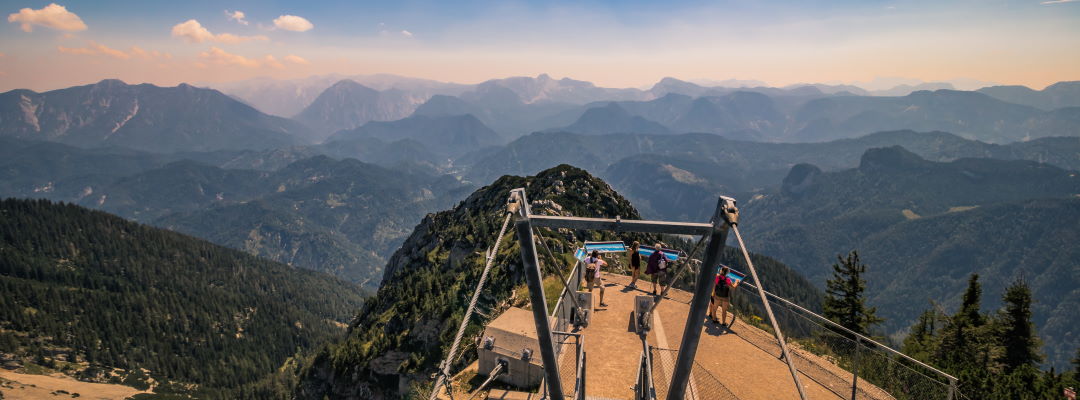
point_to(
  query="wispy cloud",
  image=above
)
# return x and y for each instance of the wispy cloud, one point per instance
(192, 31)
(1058, 1)
(295, 59)
(237, 16)
(53, 16)
(293, 23)
(93, 48)
(386, 32)
(221, 57)
(137, 51)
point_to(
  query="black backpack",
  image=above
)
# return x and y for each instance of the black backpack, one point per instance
(722, 289)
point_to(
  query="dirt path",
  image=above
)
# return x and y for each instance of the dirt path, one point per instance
(23, 386)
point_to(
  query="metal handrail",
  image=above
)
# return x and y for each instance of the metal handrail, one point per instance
(650, 392)
(856, 334)
(573, 273)
(579, 389)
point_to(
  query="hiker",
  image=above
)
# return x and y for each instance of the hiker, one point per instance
(593, 263)
(721, 297)
(655, 267)
(635, 264)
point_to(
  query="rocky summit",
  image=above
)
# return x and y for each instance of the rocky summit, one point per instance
(393, 343)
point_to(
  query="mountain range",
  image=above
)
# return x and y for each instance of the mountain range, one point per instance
(143, 117)
(316, 213)
(338, 188)
(748, 166)
(190, 119)
(449, 136)
(757, 116)
(1058, 95)
(286, 98)
(348, 104)
(923, 227)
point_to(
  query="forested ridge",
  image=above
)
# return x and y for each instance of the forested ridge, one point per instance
(86, 292)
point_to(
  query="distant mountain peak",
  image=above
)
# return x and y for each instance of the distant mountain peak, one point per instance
(799, 178)
(113, 82)
(672, 84)
(351, 85)
(614, 107)
(448, 135)
(891, 158)
(613, 118)
(347, 104)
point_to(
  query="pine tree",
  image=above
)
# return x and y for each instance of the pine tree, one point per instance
(969, 308)
(920, 342)
(960, 348)
(1076, 367)
(1017, 333)
(844, 302)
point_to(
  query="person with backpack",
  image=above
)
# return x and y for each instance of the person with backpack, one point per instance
(635, 265)
(593, 263)
(655, 266)
(721, 297)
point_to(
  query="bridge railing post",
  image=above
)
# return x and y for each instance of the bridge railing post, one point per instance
(695, 320)
(534, 279)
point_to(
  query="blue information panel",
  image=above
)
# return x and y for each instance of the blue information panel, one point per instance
(605, 247)
(735, 277)
(670, 254)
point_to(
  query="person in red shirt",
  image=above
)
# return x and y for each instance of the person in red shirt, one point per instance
(721, 297)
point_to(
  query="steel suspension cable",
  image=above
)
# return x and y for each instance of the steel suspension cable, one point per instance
(444, 370)
(491, 376)
(562, 279)
(768, 310)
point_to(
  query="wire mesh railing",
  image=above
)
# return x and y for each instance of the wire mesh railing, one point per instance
(848, 364)
(570, 361)
(703, 385)
(562, 315)
(569, 346)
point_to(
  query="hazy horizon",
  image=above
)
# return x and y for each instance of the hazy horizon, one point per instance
(876, 84)
(613, 44)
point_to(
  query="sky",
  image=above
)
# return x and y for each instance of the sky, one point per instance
(47, 45)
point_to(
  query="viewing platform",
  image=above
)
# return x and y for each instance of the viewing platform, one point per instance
(635, 345)
(744, 360)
